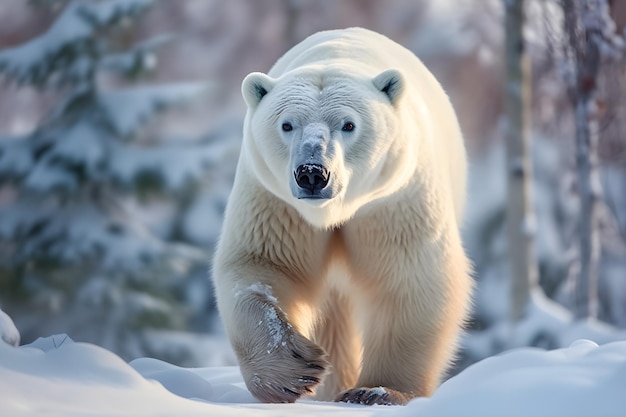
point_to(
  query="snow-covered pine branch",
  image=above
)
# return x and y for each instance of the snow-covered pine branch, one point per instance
(8, 331)
(139, 59)
(61, 51)
(75, 257)
(16, 158)
(127, 110)
(167, 167)
(85, 141)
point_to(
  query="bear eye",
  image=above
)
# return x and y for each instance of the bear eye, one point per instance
(348, 127)
(287, 127)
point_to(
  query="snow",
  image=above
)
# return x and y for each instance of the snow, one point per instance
(82, 223)
(57, 377)
(15, 158)
(8, 332)
(274, 326)
(257, 288)
(271, 321)
(582, 380)
(173, 165)
(546, 324)
(129, 109)
(140, 56)
(30, 62)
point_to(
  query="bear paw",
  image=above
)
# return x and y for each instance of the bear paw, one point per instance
(278, 364)
(288, 372)
(371, 396)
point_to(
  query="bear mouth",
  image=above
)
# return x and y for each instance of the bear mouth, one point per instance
(312, 197)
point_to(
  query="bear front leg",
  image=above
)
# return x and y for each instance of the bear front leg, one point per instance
(407, 346)
(414, 293)
(278, 364)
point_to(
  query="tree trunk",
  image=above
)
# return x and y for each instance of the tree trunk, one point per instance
(584, 46)
(519, 214)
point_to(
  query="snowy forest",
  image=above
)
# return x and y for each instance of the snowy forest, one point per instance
(120, 128)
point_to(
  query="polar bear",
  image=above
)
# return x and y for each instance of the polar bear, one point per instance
(340, 268)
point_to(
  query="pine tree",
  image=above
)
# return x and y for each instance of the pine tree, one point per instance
(72, 257)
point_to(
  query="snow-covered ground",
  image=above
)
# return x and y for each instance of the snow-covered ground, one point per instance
(57, 377)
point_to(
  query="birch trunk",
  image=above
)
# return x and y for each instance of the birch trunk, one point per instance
(520, 217)
(584, 44)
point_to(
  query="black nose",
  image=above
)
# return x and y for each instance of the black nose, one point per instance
(312, 177)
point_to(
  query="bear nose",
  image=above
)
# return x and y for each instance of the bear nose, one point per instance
(312, 177)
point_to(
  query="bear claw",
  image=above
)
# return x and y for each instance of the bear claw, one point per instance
(371, 396)
(292, 370)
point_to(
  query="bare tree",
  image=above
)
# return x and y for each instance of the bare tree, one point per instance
(589, 33)
(520, 217)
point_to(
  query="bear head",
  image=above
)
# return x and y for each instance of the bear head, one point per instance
(326, 141)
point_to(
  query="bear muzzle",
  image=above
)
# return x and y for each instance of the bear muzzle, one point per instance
(311, 180)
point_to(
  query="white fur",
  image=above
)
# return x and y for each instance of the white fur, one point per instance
(376, 270)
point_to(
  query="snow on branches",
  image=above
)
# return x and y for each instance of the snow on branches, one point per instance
(65, 226)
(63, 53)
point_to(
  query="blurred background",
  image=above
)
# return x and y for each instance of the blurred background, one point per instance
(120, 127)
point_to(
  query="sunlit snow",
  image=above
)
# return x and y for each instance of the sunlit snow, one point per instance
(57, 377)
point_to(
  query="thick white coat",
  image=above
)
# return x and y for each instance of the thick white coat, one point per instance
(372, 281)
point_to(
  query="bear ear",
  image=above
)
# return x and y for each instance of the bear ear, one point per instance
(390, 82)
(255, 86)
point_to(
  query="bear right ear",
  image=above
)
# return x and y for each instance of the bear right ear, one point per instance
(255, 86)
(390, 82)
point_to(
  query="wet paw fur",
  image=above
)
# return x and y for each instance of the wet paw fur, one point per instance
(283, 365)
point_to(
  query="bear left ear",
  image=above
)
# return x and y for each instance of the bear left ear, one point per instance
(255, 86)
(390, 82)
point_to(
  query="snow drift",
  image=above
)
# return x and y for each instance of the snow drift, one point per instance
(57, 377)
